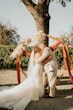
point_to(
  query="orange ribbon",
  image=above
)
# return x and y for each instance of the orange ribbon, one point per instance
(18, 65)
(18, 69)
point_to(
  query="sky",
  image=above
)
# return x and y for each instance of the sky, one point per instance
(16, 14)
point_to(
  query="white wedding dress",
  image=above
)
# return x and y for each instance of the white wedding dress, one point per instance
(18, 97)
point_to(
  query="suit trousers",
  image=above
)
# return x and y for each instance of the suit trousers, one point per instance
(51, 75)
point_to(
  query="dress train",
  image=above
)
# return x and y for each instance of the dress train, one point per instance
(18, 97)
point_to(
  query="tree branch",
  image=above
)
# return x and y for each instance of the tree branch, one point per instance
(48, 2)
(29, 2)
(32, 7)
(63, 2)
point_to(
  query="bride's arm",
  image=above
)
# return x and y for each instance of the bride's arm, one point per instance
(27, 41)
(47, 59)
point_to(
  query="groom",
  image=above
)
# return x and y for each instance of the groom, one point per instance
(50, 67)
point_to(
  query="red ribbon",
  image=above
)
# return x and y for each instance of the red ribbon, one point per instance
(18, 65)
(18, 69)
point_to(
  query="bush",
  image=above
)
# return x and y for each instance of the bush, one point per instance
(59, 57)
(7, 63)
(5, 60)
(70, 48)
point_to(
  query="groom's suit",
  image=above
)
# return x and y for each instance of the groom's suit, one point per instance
(50, 68)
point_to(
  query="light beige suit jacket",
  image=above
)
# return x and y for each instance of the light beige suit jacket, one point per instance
(51, 65)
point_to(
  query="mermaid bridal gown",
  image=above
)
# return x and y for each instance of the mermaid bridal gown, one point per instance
(31, 89)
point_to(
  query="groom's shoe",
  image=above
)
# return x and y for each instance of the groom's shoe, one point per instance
(47, 96)
(50, 97)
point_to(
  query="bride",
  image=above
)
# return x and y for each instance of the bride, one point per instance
(18, 97)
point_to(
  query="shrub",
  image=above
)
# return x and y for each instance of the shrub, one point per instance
(5, 60)
(7, 63)
(59, 57)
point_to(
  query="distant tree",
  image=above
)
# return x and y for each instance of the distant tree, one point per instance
(40, 12)
(68, 37)
(8, 35)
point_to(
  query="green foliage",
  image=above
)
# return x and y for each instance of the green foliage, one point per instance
(5, 60)
(8, 63)
(70, 48)
(59, 57)
(8, 35)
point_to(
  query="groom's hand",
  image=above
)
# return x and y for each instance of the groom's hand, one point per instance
(26, 42)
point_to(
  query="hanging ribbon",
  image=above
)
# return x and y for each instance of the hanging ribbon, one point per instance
(18, 69)
(66, 60)
(27, 53)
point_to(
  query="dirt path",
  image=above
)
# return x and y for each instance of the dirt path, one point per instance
(62, 101)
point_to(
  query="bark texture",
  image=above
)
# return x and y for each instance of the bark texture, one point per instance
(40, 13)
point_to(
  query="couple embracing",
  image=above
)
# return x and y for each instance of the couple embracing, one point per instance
(42, 61)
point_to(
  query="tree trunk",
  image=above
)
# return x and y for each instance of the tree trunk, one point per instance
(40, 14)
(42, 21)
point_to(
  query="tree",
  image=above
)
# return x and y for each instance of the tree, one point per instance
(8, 35)
(68, 38)
(40, 12)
